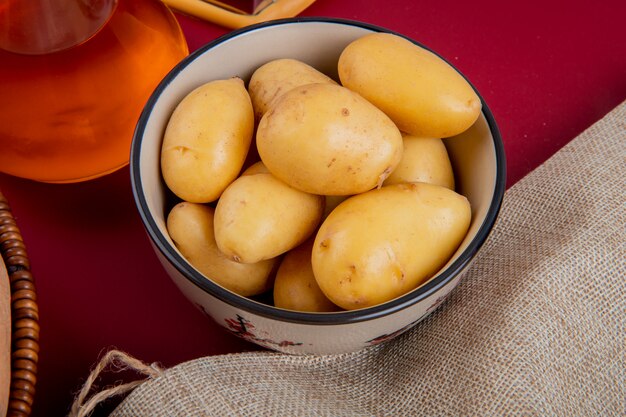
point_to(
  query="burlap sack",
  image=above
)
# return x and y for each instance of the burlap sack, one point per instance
(537, 327)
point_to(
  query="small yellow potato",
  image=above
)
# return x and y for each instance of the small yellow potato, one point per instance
(256, 168)
(379, 245)
(423, 160)
(295, 287)
(418, 90)
(325, 139)
(260, 217)
(190, 225)
(276, 77)
(206, 140)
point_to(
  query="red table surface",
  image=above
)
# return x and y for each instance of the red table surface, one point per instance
(547, 69)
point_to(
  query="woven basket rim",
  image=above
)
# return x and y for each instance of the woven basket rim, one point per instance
(24, 315)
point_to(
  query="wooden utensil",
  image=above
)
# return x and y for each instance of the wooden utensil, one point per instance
(232, 17)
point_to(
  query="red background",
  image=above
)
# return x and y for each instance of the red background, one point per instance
(547, 69)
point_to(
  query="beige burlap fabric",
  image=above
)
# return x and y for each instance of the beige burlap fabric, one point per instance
(537, 327)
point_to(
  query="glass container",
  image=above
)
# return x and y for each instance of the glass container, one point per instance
(74, 77)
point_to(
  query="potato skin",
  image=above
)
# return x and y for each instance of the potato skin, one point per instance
(277, 77)
(256, 168)
(206, 140)
(190, 225)
(423, 160)
(418, 90)
(260, 217)
(295, 287)
(379, 245)
(325, 139)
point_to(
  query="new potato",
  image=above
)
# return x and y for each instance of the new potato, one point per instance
(260, 217)
(325, 139)
(275, 78)
(295, 287)
(423, 160)
(418, 90)
(326, 150)
(256, 168)
(330, 201)
(190, 226)
(206, 140)
(381, 244)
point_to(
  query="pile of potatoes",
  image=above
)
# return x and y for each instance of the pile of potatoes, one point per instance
(350, 202)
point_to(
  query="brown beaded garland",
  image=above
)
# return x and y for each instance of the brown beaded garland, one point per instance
(24, 315)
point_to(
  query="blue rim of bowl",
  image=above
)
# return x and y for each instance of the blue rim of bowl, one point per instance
(255, 307)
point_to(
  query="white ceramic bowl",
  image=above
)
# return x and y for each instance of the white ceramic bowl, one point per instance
(478, 159)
